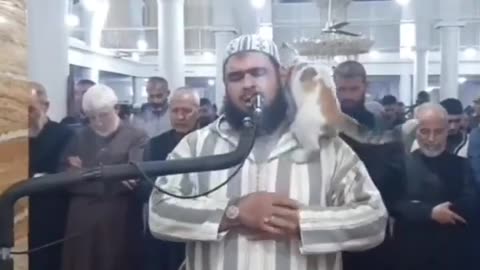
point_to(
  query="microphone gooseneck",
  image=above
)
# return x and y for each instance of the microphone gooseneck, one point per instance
(119, 173)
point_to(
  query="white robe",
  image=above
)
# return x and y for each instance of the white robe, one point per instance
(342, 209)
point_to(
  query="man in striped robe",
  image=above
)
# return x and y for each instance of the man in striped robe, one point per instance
(276, 212)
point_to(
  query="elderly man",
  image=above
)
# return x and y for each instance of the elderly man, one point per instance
(439, 200)
(275, 213)
(109, 211)
(153, 117)
(184, 113)
(48, 210)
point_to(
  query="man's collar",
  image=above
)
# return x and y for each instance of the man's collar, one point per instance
(286, 143)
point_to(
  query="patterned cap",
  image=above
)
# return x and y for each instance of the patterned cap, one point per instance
(254, 43)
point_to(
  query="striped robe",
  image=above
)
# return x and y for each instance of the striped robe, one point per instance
(342, 209)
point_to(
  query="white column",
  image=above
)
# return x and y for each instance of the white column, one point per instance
(449, 28)
(94, 15)
(405, 89)
(48, 51)
(171, 42)
(224, 33)
(421, 70)
(422, 44)
(450, 40)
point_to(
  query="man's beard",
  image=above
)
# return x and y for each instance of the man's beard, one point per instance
(351, 107)
(272, 116)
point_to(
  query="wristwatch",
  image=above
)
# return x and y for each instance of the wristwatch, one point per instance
(232, 212)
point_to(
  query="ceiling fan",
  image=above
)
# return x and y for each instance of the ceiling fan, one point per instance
(336, 28)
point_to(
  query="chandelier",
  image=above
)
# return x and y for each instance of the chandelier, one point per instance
(330, 45)
(332, 42)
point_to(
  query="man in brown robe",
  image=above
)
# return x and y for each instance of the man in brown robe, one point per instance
(105, 214)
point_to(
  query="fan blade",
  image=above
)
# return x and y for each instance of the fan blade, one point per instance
(347, 33)
(339, 25)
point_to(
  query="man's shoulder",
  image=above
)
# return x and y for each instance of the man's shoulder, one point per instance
(59, 129)
(162, 137)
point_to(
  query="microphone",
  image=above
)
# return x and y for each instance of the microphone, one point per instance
(257, 107)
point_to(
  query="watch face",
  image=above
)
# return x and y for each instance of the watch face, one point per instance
(232, 212)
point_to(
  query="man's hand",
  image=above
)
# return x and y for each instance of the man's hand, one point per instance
(75, 162)
(130, 184)
(443, 215)
(269, 213)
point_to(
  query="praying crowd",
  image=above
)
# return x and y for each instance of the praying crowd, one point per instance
(410, 204)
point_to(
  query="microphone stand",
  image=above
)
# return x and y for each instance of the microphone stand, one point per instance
(115, 173)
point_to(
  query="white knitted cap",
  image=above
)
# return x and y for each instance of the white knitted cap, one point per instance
(99, 97)
(253, 43)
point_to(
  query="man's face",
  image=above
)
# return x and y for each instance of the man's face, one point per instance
(78, 93)
(391, 112)
(157, 94)
(248, 74)
(37, 110)
(454, 124)
(207, 111)
(351, 92)
(183, 113)
(103, 121)
(432, 134)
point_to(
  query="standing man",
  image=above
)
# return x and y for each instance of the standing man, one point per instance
(275, 213)
(439, 203)
(48, 210)
(208, 112)
(184, 113)
(385, 163)
(154, 118)
(78, 118)
(391, 115)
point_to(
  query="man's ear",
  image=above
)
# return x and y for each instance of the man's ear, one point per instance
(284, 75)
(47, 106)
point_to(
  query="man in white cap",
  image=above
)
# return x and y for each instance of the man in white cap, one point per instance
(109, 211)
(275, 213)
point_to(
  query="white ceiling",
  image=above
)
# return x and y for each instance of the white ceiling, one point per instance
(379, 20)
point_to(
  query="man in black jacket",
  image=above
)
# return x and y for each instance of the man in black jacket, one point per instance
(184, 112)
(439, 203)
(385, 163)
(48, 210)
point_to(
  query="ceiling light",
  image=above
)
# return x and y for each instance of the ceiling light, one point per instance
(211, 82)
(462, 80)
(258, 4)
(374, 54)
(266, 32)
(3, 19)
(135, 57)
(72, 20)
(470, 53)
(142, 45)
(403, 2)
(208, 56)
(338, 59)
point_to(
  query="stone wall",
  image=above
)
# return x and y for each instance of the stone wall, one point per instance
(14, 95)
